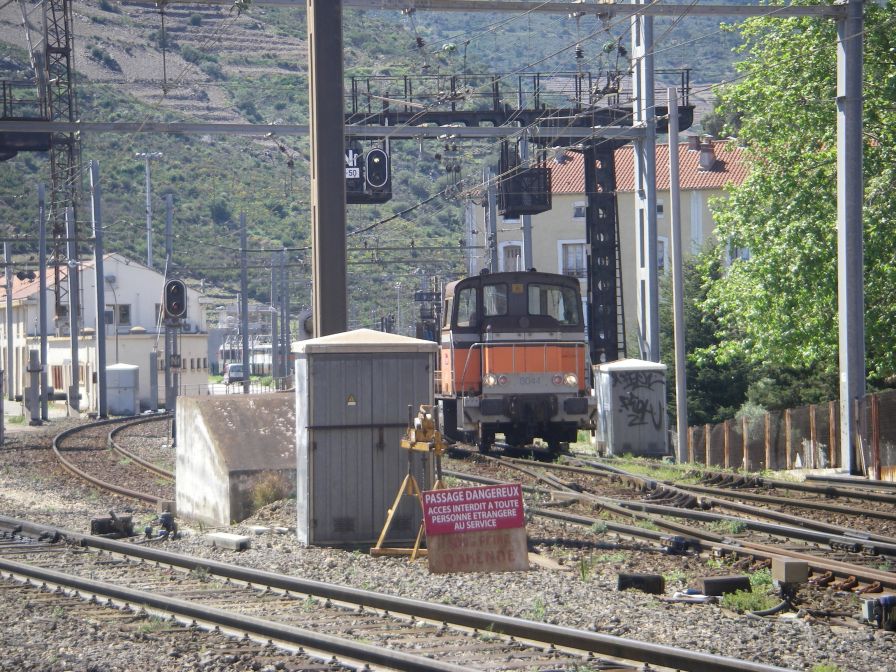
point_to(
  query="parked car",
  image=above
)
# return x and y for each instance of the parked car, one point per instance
(233, 373)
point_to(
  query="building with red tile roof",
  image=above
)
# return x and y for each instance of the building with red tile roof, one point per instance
(706, 170)
(133, 302)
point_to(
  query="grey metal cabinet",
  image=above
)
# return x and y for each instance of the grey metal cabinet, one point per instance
(352, 396)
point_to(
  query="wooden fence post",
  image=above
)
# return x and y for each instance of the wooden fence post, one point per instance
(769, 462)
(726, 447)
(813, 438)
(874, 472)
(833, 453)
(707, 443)
(788, 442)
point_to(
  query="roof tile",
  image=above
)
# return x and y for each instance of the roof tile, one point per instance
(568, 175)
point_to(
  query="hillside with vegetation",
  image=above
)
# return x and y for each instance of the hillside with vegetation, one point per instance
(213, 63)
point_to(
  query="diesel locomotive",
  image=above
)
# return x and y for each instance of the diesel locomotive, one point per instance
(513, 360)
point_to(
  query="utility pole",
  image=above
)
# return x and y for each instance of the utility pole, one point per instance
(491, 239)
(244, 304)
(169, 219)
(74, 308)
(526, 219)
(850, 247)
(100, 282)
(147, 157)
(645, 185)
(7, 272)
(328, 266)
(42, 301)
(284, 312)
(681, 387)
(276, 371)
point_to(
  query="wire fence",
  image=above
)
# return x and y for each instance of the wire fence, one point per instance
(807, 437)
(263, 386)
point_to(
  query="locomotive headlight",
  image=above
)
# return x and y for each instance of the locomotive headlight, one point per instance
(490, 379)
(571, 379)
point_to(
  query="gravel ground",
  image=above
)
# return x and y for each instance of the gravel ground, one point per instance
(579, 592)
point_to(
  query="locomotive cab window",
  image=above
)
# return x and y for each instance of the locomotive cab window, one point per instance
(446, 311)
(559, 303)
(467, 307)
(494, 300)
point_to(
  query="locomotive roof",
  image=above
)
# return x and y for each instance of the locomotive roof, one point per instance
(510, 276)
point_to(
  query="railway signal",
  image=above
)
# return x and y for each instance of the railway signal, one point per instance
(175, 303)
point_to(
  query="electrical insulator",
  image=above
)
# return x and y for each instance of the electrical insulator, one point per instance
(580, 53)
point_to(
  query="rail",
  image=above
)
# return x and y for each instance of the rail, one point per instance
(549, 635)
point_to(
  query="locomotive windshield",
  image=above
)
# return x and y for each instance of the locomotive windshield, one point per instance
(561, 303)
(501, 301)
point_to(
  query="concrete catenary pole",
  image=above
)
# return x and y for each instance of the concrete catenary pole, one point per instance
(147, 157)
(7, 271)
(526, 219)
(244, 304)
(850, 247)
(100, 282)
(284, 311)
(42, 301)
(491, 239)
(74, 309)
(328, 266)
(645, 185)
(681, 386)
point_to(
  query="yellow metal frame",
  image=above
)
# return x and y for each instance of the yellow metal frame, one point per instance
(422, 437)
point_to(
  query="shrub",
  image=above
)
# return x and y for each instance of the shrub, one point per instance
(748, 600)
(270, 487)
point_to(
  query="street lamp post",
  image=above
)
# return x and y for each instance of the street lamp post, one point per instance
(147, 157)
(397, 307)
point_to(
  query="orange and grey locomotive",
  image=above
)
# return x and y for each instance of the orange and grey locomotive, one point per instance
(514, 360)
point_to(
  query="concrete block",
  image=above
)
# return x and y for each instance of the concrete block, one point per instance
(720, 585)
(258, 529)
(654, 584)
(786, 570)
(233, 542)
(234, 453)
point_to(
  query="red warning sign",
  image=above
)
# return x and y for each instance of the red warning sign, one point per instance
(484, 508)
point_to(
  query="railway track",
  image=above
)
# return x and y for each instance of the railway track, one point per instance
(847, 554)
(363, 627)
(95, 453)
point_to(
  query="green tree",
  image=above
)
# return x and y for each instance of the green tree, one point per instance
(778, 306)
(716, 389)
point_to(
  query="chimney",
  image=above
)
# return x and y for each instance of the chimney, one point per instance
(707, 156)
(693, 142)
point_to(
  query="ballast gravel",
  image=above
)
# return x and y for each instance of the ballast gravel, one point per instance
(573, 588)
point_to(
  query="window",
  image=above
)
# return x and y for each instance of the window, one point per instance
(447, 313)
(118, 314)
(466, 308)
(494, 300)
(512, 257)
(578, 209)
(572, 260)
(662, 245)
(124, 314)
(660, 209)
(511, 219)
(561, 303)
